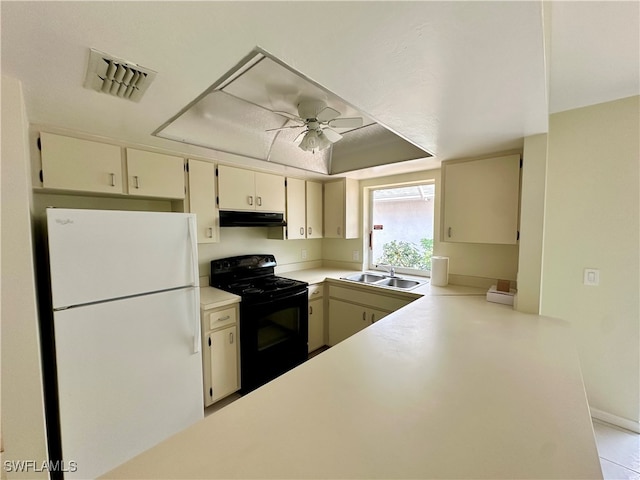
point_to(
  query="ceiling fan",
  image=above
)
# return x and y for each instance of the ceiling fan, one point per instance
(317, 119)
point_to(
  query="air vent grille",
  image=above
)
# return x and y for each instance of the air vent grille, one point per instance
(117, 77)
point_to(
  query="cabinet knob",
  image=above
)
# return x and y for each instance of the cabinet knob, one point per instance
(364, 316)
(231, 337)
(259, 201)
(310, 230)
(310, 310)
(113, 179)
(449, 232)
(301, 231)
(372, 317)
(137, 181)
(250, 200)
(210, 232)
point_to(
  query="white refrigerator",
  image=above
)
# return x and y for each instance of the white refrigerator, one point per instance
(126, 333)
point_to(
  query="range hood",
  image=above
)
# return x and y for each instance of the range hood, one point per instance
(251, 219)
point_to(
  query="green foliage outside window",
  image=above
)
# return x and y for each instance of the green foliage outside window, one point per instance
(408, 254)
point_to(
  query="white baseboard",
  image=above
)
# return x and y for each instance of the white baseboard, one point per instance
(615, 420)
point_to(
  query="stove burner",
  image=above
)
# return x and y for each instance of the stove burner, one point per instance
(252, 291)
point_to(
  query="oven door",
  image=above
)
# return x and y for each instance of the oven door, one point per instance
(273, 338)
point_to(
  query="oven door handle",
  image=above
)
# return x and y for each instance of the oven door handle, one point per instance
(285, 298)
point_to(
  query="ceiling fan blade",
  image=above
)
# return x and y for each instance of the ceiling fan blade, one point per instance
(284, 128)
(299, 138)
(327, 114)
(288, 115)
(353, 122)
(332, 135)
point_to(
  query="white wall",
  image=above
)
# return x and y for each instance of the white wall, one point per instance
(592, 219)
(23, 425)
(534, 167)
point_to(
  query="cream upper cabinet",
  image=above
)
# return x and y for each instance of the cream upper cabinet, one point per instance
(80, 165)
(314, 209)
(296, 215)
(202, 199)
(269, 192)
(304, 211)
(481, 200)
(154, 174)
(241, 189)
(342, 209)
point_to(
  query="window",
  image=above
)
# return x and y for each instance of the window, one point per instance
(401, 228)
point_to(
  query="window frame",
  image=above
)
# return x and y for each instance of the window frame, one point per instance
(370, 265)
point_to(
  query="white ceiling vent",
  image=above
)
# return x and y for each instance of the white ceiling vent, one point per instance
(117, 77)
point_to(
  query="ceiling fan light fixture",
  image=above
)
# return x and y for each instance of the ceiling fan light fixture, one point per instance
(314, 140)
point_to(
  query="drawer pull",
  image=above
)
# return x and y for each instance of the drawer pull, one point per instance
(310, 230)
(113, 179)
(231, 337)
(301, 231)
(317, 292)
(259, 201)
(250, 200)
(222, 319)
(310, 310)
(137, 180)
(372, 317)
(364, 316)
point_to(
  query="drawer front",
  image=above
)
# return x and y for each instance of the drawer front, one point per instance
(374, 300)
(221, 318)
(316, 291)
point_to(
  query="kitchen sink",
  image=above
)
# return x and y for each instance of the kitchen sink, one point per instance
(398, 282)
(365, 277)
(383, 280)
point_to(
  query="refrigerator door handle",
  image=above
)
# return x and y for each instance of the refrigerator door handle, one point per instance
(196, 290)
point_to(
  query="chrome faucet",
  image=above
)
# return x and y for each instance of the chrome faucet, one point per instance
(391, 270)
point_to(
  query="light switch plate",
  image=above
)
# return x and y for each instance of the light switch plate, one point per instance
(303, 254)
(591, 277)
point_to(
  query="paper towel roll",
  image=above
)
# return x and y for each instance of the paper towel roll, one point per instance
(439, 271)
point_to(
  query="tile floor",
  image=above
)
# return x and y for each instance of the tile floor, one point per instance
(619, 452)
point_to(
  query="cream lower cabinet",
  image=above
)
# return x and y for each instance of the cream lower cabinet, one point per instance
(220, 358)
(316, 318)
(352, 309)
(202, 199)
(347, 318)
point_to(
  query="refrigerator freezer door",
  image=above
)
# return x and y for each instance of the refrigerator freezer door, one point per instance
(127, 377)
(96, 255)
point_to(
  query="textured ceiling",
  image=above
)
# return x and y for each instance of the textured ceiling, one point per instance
(455, 78)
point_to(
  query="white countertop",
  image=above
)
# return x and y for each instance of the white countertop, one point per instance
(447, 387)
(214, 298)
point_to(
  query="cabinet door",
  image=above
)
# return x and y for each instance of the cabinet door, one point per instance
(236, 188)
(80, 165)
(224, 362)
(334, 209)
(296, 216)
(202, 200)
(269, 192)
(155, 175)
(374, 315)
(316, 324)
(345, 319)
(314, 210)
(480, 200)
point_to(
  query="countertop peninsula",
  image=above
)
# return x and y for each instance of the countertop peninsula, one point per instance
(446, 387)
